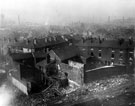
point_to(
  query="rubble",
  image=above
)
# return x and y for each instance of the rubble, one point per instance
(74, 94)
(105, 84)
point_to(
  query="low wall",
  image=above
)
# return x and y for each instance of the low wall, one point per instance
(91, 75)
(21, 85)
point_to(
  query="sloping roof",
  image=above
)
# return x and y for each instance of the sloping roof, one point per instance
(42, 42)
(48, 41)
(66, 52)
(77, 58)
(107, 43)
(93, 62)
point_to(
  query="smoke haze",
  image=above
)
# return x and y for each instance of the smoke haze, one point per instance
(6, 96)
(64, 11)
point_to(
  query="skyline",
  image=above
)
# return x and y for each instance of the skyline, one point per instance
(66, 11)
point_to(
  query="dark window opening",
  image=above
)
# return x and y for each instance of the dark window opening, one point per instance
(105, 62)
(121, 41)
(91, 54)
(99, 55)
(100, 41)
(112, 56)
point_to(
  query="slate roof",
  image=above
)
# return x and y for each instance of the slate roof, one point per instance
(77, 58)
(93, 62)
(66, 52)
(42, 42)
(53, 40)
(107, 43)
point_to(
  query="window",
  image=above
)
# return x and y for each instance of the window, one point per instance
(91, 54)
(112, 56)
(99, 55)
(105, 62)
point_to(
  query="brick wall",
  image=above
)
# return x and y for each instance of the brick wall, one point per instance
(104, 72)
(74, 74)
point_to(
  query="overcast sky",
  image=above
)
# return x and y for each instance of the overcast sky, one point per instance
(62, 11)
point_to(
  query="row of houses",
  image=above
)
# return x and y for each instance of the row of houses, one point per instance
(88, 61)
(82, 61)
